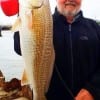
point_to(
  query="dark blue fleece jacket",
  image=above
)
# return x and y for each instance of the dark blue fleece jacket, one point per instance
(77, 62)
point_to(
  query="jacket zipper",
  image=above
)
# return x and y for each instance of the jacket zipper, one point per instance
(71, 48)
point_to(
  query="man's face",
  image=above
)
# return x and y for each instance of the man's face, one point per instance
(68, 7)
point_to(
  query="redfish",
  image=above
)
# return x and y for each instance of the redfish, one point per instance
(36, 40)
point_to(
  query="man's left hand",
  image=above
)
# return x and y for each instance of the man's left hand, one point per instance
(84, 95)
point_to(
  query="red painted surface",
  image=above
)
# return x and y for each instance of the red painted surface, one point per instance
(9, 7)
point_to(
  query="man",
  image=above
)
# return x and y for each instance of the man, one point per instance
(76, 74)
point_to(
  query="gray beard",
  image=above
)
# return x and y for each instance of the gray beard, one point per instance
(68, 13)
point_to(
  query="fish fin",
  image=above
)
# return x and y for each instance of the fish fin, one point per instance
(24, 79)
(16, 25)
(29, 19)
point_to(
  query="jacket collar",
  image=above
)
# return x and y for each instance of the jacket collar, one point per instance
(57, 15)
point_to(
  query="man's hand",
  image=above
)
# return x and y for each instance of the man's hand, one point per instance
(84, 95)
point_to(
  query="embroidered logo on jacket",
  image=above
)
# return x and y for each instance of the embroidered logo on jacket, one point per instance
(83, 38)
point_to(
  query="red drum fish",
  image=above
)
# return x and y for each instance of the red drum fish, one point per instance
(36, 39)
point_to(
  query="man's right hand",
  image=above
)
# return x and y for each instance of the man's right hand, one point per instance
(84, 95)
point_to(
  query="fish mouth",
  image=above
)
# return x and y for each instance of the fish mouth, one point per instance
(33, 4)
(37, 4)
